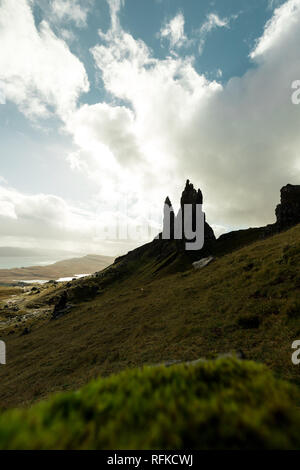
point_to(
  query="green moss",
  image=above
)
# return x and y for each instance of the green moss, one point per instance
(223, 404)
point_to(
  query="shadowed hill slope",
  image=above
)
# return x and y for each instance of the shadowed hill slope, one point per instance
(131, 314)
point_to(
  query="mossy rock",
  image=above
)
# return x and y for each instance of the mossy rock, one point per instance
(223, 404)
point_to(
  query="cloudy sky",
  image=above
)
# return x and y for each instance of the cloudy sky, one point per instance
(108, 106)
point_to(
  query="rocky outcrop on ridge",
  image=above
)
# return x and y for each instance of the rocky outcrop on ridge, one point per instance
(288, 211)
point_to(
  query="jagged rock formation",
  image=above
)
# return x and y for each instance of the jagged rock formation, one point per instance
(193, 197)
(288, 211)
(190, 195)
(169, 219)
(172, 252)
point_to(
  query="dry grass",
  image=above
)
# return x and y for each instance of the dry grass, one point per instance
(7, 292)
(245, 301)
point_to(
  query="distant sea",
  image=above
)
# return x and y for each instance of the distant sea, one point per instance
(9, 262)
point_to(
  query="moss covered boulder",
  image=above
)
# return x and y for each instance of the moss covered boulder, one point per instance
(223, 404)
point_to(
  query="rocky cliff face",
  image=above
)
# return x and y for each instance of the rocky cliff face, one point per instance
(288, 211)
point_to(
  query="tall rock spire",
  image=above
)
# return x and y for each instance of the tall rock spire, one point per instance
(168, 222)
(190, 196)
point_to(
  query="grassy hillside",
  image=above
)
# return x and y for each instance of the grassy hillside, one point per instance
(7, 291)
(67, 268)
(226, 404)
(136, 314)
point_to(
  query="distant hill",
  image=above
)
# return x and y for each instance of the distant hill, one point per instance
(13, 251)
(67, 268)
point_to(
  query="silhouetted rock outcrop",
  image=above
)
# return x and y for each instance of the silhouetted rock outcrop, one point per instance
(171, 252)
(169, 219)
(288, 211)
(287, 215)
(192, 197)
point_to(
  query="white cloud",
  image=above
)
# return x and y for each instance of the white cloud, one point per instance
(274, 3)
(166, 122)
(109, 129)
(212, 22)
(115, 6)
(278, 30)
(37, 70)
(239, 142)
(50, 212)
(2, 180)
(174, 31)
(131, 145)
(72, 10)
(44, 220)
(67, 35)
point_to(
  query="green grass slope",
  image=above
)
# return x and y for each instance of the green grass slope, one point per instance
(247, 300)
(224, 404)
